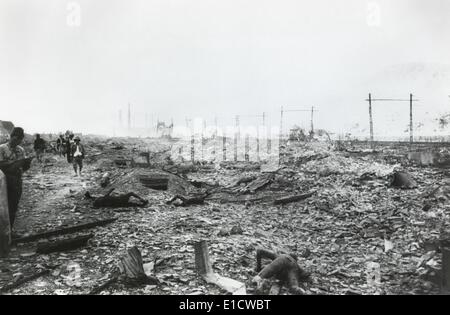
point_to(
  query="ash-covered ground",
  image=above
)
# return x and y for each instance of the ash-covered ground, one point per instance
(357, 233)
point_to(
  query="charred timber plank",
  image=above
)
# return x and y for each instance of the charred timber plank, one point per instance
(104, 285)
(446, 268)
(62, 231)
(23, 280)
(64, 245)
(285, 200)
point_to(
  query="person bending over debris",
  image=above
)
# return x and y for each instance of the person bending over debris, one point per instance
(283, 267)
(13, 163)
(77, 151)
(117, 201)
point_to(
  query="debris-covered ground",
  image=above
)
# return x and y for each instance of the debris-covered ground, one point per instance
(351, 228)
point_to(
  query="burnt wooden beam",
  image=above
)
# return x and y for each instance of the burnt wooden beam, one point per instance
(64, 245)
(64, 230)
(285, 200)
(23, 280)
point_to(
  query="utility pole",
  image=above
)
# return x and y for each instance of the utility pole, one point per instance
(410, 100)
(202, 138)
(236, 136)
(370, 120)
(280, 135)
(410, 119)
(312, 121)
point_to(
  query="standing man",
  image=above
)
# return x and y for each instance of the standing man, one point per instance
(60, 145)
(39, 147)
(13, 163)
(78, 155)
(69, 143)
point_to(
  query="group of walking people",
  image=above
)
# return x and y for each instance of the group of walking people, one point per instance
(14, 162)
(70, 147)
(67, 145)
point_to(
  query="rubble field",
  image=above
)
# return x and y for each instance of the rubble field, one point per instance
(358, 226)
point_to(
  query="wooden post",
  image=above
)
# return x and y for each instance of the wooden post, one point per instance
(202, 263)
(446, 268)
(131, 268)
(410, 119)
(192, 147)
(204, 269)
(224, 147)
(371, 120)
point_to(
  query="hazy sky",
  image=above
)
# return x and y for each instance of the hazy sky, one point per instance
(189, 58)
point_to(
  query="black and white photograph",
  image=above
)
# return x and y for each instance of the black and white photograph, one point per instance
(244, 150)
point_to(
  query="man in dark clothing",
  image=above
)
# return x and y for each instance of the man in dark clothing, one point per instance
(60, 145)
(13, 163)
(69, 142)
(39, 147)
